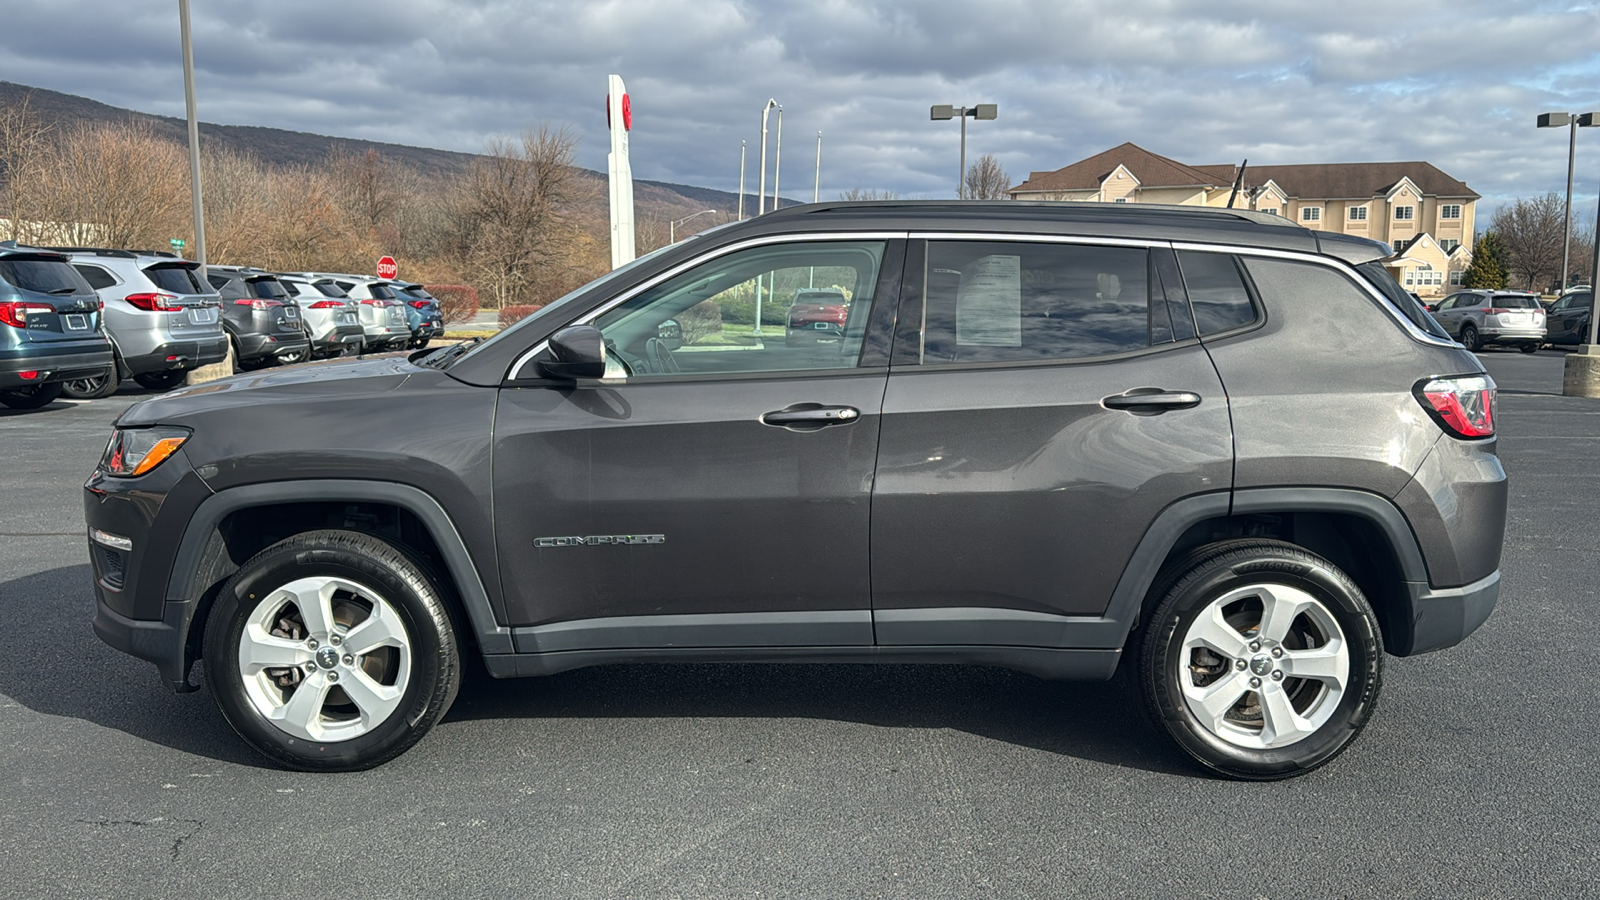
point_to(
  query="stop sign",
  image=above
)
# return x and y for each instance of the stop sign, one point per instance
(387, 268)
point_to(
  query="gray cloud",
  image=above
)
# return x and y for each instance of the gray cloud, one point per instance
(1456, 83)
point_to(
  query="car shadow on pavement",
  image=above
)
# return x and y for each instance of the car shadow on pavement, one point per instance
(55, 665)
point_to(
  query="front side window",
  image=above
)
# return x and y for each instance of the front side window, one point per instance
(1217, 291)
(778, 308)
(989, 301)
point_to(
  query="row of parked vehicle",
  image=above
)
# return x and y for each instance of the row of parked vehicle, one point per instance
(76, 321)
(1483, 318)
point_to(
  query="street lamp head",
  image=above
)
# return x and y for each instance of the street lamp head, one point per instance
(1588, 119)
(1554, 120)
(986, 111)
(942, 111)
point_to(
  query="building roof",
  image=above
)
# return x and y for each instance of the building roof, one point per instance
(1151, 169)
(1320, 181)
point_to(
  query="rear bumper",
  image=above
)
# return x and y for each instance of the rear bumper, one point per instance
(1513, 334)
(270, 346)
(1443, 617)
(342, 341)
(75, 361)
(189, 355)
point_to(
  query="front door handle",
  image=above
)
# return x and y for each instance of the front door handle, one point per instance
(810, 416)
(1151, 401)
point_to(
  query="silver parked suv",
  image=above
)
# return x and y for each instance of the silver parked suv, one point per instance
(161, 320)
(383, 314)
(331, 319)
(1481, 318)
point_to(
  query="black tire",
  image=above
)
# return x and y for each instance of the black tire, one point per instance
(421, 343)
(1529, 348)
(92, 387)
(161, 382)
(384, 573)
(1469, 338)
(1233, 568)
(31, 397)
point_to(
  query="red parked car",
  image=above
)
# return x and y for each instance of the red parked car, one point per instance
(817, 315)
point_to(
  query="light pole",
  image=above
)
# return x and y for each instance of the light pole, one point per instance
(761, 192)
(1572, 121)
(816, 186)
(981, 111)
(672, 227)
(194, 139)
(777, 163)
(741, 180)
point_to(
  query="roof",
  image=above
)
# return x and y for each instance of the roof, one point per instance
(1152, 170)
(1322, 181)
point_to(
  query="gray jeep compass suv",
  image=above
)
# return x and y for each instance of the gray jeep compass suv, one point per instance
(1211, 446)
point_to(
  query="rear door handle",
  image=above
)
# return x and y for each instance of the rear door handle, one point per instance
(1151, 401)
(810, 416)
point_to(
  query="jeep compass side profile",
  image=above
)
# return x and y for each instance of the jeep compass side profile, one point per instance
(1210, 445)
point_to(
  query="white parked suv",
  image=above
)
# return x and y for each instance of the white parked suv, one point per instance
(1480, 318)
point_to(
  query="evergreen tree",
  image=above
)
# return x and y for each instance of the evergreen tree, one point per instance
(1488, 269)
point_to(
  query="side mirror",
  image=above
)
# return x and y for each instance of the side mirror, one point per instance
(579, 351)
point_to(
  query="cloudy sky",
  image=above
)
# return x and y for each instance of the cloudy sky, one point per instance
(1456, 83)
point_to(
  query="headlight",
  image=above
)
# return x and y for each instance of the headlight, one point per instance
(135, 451)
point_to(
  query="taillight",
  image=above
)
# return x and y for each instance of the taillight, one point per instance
(379, 303)
(327, 304)
(153, 302)
(419, 304)
(257, 304)
(1462, 405)
(15, 312)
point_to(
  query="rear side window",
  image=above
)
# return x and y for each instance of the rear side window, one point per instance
(97, 277)
(176, 279)
(1014, 301)
(1217, 291)
(43, 276)
(1377, 276)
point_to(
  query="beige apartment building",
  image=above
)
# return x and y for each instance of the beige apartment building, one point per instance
(1423, 213)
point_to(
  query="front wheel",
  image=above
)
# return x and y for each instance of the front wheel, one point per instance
(31, 397)
(331, 651)
(1262, 661)
(161, 381)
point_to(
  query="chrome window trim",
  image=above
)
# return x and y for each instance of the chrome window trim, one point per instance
(589, 317)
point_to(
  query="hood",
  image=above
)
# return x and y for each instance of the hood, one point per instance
(326, 379)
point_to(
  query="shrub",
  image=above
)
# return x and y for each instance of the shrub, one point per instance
(511, 315)
(457, 302)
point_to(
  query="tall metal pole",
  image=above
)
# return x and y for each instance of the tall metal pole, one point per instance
(777, 163)
(741, 180)
(1594, 282)
(816, 186)
(194, 138)
(961, 179)
(761, 191)
(1566, 220)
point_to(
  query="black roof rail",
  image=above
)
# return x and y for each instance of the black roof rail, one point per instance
(114, 253)
(1039, 208)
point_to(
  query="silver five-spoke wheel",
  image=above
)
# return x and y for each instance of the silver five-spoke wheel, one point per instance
(1265, 666)
(325, 659)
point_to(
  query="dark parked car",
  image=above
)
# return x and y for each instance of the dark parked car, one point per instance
(49, 327)
(422, 312)
(1212, 446)
(261, 319)
(1568, 321)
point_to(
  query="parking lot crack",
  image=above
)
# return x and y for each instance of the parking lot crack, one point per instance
(177, 845)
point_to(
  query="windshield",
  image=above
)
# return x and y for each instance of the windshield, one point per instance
(179, 279)
(44, 276)
(381, 292)
(564, 300)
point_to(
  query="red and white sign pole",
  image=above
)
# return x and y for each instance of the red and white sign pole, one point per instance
(387, 268)
(619, 116)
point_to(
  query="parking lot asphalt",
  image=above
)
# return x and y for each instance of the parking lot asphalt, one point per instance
(1476, 778)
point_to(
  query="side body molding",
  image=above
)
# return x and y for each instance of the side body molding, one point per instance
(182, 589)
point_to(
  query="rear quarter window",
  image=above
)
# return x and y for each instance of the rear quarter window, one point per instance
(97, 277)
(1217, 291)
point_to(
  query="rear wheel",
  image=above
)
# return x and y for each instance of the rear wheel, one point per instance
(31, 397)
(1262, 661)
(1469, 338)
(161, 381)
(91, 387)
(331, 651)
(1529, 348)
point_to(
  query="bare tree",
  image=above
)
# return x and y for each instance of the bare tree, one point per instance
(116, 185)
(516, 205)
(237, 205)
(856, 193)
(1530, 236)
(986, 180)
(24, 140)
